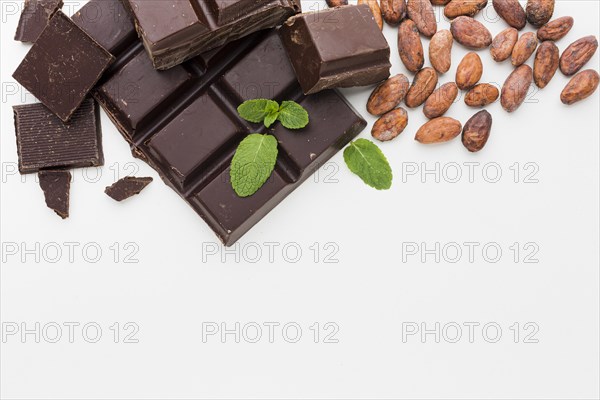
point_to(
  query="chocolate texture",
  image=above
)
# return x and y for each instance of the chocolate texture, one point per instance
(34, 18)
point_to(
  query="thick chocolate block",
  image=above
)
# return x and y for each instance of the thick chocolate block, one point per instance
(175, 31)
(337, 47)
(62, 66)
(45, 142)
(184, 123)
(34, 18)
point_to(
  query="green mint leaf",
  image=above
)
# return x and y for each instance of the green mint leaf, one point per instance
(256, 110)
(292, 115)
(271, 118)
(366, 160)
(253, 163)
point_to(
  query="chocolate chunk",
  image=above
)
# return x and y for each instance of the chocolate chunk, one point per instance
(337, 47)
(34, 18)
(175, 31)
(183, 122)
(127, 187)
(62, 66)
(45, 142)
(56, 186)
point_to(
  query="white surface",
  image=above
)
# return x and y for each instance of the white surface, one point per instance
(370, 294)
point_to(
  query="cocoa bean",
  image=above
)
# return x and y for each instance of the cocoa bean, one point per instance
(421, 12)
(539, 12)
(524, 48)
(438, 130)
(503, 44)
(440, 100)
(555, 30)
(470, 33)
(545, 64)
(578, 54)
(410, 46)
(511, 11)
(482, 95)
(456, 8)
(581, 86)
(423, 85)
(515, 88)
(440, 51)
(388, 95)
(469, 71)
(393, 11)
(337, 3)
(390, 125)
(476, 132)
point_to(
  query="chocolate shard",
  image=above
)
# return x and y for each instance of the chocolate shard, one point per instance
(45, 142)
(62, 66)
(337, 47)
(127, 187)
(183, 122)
(34, 18)
(194, 26)
(56, 185)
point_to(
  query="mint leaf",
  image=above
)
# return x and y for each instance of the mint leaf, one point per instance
(271, 118)
(253, 163)
(256, 110)
(292, 115)
(366, 160)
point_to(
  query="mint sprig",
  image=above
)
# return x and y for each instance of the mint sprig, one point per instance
(291, 114)
(253, 163)
(366, 160)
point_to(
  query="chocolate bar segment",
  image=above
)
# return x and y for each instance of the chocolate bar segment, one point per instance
(127, 187)
(56, 186)
(45, 142)
(62, 66)
(337, 47)
(34, 18)
(189, 129)
(178, 30)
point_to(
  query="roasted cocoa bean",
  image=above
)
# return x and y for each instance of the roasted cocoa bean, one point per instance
(476, 132)
(388, 95)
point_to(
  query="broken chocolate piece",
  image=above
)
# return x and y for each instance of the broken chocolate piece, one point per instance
(337, 47)
(56, 186)
(45, 142)
(127, 187)
(34, 18)
(175, 31)
(183, 122)
(62, 66)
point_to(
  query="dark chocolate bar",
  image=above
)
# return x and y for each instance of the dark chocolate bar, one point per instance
(34, 18)
(336, 47)
(45, 142)
(127, 187)
(184, 123)
(62, 66)
(178, 30)
(56, 185)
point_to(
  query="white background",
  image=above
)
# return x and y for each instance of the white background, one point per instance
(373, 293)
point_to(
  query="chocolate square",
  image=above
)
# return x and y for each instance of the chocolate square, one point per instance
(62, 66)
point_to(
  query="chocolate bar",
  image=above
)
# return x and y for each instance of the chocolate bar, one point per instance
(178, 30)
(34, 18)
(56, 186)
(127, 187)
(337, 47)
(45, 142)
(183, 122)
(62, 66)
